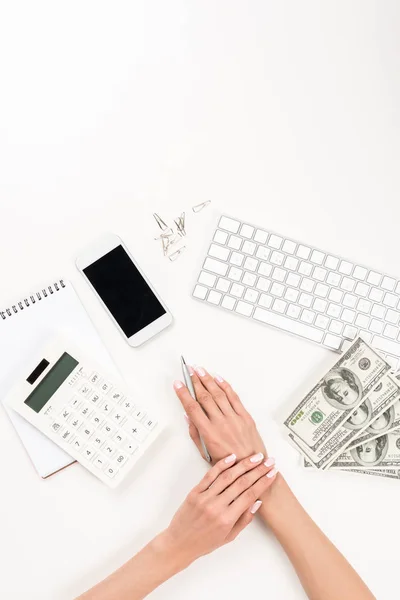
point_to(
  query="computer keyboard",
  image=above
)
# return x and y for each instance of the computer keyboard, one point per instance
(299, 289)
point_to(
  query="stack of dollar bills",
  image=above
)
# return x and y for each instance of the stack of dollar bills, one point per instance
(350, 420)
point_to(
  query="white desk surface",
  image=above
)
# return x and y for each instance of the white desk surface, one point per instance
(285, 113)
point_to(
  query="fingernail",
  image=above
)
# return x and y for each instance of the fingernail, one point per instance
(186, 418)
(219, 378)
(257, 457)
(270, 462)
(272, 473)
(255, 507)
(230, 458)
(178, 384)
(190, 369)
(200, 371)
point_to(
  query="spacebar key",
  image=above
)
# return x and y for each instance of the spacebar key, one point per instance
(288, 325)
(385, 345)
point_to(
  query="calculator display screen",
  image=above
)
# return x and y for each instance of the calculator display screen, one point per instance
(51, 382)
(124, 291)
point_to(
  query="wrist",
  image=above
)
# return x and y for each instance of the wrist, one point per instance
(169, 553)
(276, 501)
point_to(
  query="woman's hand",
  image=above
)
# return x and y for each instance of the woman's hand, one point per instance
(219, 417)
(217, 509)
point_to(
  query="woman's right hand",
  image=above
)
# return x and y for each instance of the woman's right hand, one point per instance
(217, 509)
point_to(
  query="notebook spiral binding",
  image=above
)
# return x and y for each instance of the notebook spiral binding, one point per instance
(36, 297)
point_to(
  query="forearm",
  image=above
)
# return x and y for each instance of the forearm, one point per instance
(148, 569)
(323, 571)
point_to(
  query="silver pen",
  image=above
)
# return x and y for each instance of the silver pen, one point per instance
(189, 385)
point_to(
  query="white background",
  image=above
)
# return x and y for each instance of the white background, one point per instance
(283, 113)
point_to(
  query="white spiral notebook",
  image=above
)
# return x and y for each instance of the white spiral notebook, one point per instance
(28, 323)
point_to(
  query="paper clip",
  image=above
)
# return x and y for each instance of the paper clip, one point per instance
(198, 207)
(162, 225)
(180, 224)
(176, 254)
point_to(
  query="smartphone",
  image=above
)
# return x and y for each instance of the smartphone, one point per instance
(124, 290)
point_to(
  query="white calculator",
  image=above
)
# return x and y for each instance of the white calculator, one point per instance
(88, 414)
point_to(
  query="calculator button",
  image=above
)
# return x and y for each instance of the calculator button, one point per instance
(117, 396)
(136, 430)
(67, 435)
(96, 419)
(86, 410)
(88, 453)
(65, 414)
(56, 426)
(75, 402)
(106, 387)
(118, 416)
(130, 446)
(109, 450)
(119, 437)
(149, 423)
(139, 414)
(120, 459)
(84, 390)
(75, 422)
(95, 398)
(94, 378)
(109, 429)
(100, 462)
(78, 444)
(86, 431)
(98, 440)
(127, 405)
(106, 408)
(110, 471)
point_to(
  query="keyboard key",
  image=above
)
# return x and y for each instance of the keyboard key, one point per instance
(207, 279)
(265, 300)
(68, 436)
(96, 420)
(110, 472)
(350, 301)
(392, 316)
(76, 422)
(86, 410)
(322, 321)
(106, 387)
(263, 253)
(95, 398)
(86, 432)
(317, 257)
(288, 324)
(149, 423)
(78, 444)
(350, 332)
(247, 231)
(120, 459)
(218, 252)
(279, 306)
(136, 430)
(210, 264)
(265, 269)
(360, 273)
(320, 305)
(307, 316)
(94, 378)
(249, 278)
(214, 297)
(374, 278)
(278, 274)
(293, 311)
(376, 295)
(321, 290)
(228, 302)
(237, 290)
(291, 263)
(275, 241)
(331, 262)
(229, 224)
(291, 295)
(336, 326)
(376, 326)
(128, 405)
(332, 341)
(88, 453)
(335, 295)
(366, 336)
(390, 300)
(362, 321)
(75, 402)
(303, 252)
(378, 311)
(333, 279)
(388, 284)
(348, 315)
(386, 345)
(261, 236)
(236, 259)
(223, 284)
(398, 288)
(251, 264)
(334, 310)
(305, 268)
(235, 242)
(347, 284)
(200, 292)
(289, 247)
(98, 440)
(277, 258)
(364, 306)
(251, 295)
(248, 247)
(319, 273)
(263, 284)
(85, 390)
(243, 308)
(100, 462)
(118, 417)
(220, 237)
(391, 331)
(307, 285)
(130, 446)
(305, 300)
(362, 289)
(277, 289)
(235, 273)
(293, 279)
(345, 267)
(109, 429)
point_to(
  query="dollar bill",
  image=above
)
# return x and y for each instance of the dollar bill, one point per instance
(381, 453)
(387, 422)
(336, 396)
(388, 473)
